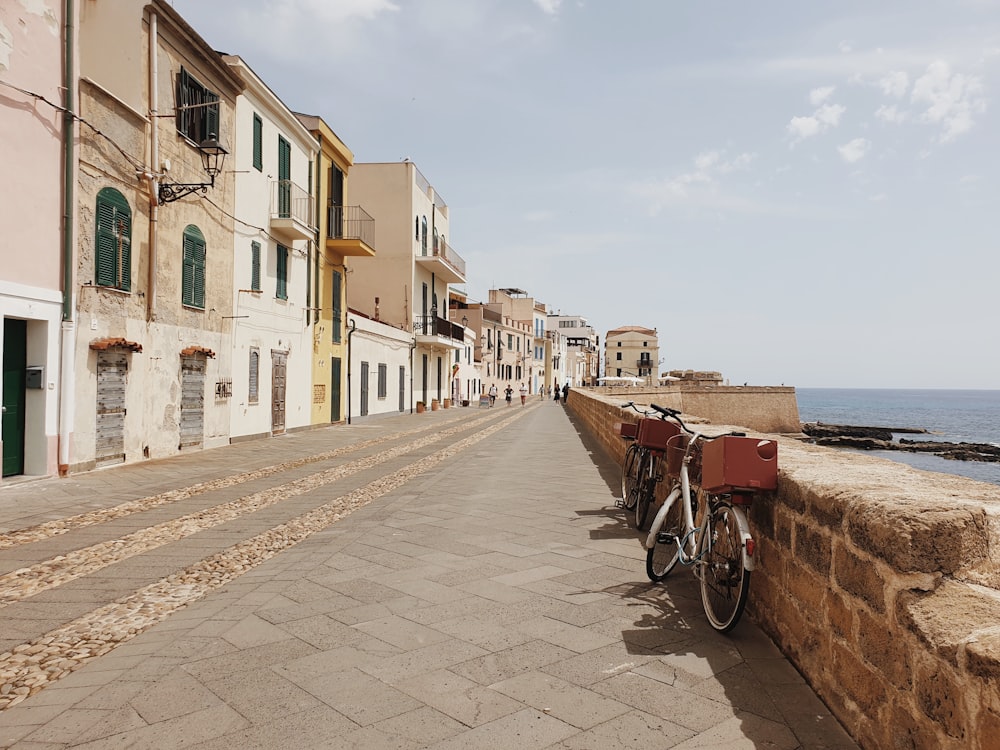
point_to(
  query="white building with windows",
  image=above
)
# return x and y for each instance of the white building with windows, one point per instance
(582, 357)
(379, 368)
(272, 158)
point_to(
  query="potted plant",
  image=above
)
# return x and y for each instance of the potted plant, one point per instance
(421, 407)
(447, 403)
(435, 404)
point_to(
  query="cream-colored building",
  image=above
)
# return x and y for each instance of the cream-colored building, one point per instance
(408, 283)
(154, 269)
(581, 360)
(272, 339)
(517, 305)
(632, 351)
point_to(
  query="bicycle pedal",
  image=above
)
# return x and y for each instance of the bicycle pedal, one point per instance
(665, 537)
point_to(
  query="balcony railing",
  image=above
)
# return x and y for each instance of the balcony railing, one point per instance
(428, 325)
(443, 251)
(646, 363)
(292, 210)
(350, 223)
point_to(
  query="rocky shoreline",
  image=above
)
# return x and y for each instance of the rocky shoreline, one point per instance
(882, 439)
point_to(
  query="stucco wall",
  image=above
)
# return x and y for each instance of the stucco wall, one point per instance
(880, 582)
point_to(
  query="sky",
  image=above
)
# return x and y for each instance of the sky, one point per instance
(797, 193)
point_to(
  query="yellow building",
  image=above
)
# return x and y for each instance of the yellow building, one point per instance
(632, 351)
(345, 231)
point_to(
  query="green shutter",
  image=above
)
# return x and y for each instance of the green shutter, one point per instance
(284, 178)
(255, 266)
(113, 240)
(337, 323)
(282, 288)
(193, 273)
(258, 143)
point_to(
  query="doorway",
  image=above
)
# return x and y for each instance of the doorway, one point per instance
(15, 361)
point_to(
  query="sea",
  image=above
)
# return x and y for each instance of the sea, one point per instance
(955, 416)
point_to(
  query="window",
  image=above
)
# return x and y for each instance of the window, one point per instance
(338, 313)
(416, 228)
(113, 243)
(618, 356)
(284, 178)
(435, 241)
(258, 143)
(423, 236)
(619, 344)
(383, 380)
(510, 342)
(255, 266)
(197, 109)
(254, 375)
(193, 272)
(281, 290)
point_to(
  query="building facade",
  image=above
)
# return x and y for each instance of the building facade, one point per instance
(632, 351)
(582, 354)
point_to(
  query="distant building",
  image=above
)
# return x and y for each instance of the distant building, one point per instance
(632, 351)
(582, 355)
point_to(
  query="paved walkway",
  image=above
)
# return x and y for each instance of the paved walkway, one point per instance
(457, 579)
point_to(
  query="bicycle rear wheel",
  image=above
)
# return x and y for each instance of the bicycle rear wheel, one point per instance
(648, 467)
(630, 477)
(664, 554)
(725, 582)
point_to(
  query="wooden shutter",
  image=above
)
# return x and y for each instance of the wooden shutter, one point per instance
(337, 311)
(193, 273)
(255, 265)
(284, 178)
(113, 241)
(258, 143)
(282, 287)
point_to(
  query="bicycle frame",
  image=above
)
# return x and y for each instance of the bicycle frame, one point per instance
(695, 543)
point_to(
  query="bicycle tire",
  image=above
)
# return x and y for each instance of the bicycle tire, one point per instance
(663, 556)
(648, 467)
(725, 582)
(630, 477)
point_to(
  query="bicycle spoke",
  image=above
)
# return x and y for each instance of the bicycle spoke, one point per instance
(725, 582)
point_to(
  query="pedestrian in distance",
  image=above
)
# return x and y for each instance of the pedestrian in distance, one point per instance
(556, 391)
(565, 392)
(508, 393)
(493, 394)
(524, 393)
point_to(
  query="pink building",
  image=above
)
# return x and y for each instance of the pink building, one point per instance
(33, 152)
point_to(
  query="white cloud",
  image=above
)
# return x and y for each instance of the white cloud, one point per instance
(895, 84)
(697, 184)
(550, 7)
(820, 95)
(952, 99)
(891, 113)
(825, 117)
(854, 150)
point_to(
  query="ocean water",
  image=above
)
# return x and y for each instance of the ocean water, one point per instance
(954, 416)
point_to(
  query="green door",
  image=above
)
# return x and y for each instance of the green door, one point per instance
(336, 372)
(15, 360)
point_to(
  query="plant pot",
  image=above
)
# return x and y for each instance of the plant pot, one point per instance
(465, 402)
(421, 407)
(435, 404)
(447, 403)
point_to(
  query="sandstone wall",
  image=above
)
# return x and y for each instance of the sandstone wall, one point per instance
(881, 583)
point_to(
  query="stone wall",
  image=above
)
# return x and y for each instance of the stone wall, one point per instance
(880, 583)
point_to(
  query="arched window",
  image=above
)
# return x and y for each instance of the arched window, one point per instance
(423, 235)
(416, 228)
(113, 243)
(193, 273)
(436, 246)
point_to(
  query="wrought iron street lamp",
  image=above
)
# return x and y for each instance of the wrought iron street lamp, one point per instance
(213, 154)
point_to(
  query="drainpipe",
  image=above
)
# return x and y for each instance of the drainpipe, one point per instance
(350, 332)
(66, 371)
(413, 345)
(154, 158)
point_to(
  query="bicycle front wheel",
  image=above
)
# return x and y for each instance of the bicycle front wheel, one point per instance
(725, 582)
(630, 477)
(664, 554)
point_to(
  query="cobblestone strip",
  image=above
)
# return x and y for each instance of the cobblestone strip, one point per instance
(28, 668)
(26, 582)
(64, 525)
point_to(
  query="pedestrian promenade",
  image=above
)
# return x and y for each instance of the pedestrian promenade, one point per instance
(455, 579)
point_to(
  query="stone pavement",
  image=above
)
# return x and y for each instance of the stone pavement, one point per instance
(457, 579)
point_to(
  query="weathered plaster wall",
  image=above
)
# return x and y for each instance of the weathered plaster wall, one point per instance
(880, 582)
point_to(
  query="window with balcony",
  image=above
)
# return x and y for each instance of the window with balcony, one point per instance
(113, 243)
(197, 109)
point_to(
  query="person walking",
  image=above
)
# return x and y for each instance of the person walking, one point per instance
(508, 393)
(493, 394)
(524, 393)
(565, 392)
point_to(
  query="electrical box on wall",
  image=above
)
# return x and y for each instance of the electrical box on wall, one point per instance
(33, 377)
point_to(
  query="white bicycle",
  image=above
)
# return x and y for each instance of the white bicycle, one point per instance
(702, 523)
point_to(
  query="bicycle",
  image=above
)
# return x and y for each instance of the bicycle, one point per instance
(641, 465)
(702, 523)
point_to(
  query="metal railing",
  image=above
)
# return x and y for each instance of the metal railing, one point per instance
(289, 201)
(350, 223)
(443, 250)
(428, 325)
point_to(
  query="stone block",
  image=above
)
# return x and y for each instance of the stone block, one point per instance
(983, 660)
(814, 548)
(858, 577)
(840, 615)
(945, 619)
(941, 697)
(884, 649)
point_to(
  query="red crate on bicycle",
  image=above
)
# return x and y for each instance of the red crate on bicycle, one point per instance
(627, 430)
(654, 433)
(731, 463)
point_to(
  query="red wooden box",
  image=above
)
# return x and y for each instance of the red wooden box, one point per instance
(654, 433)
(734, 463)
(627, 429)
